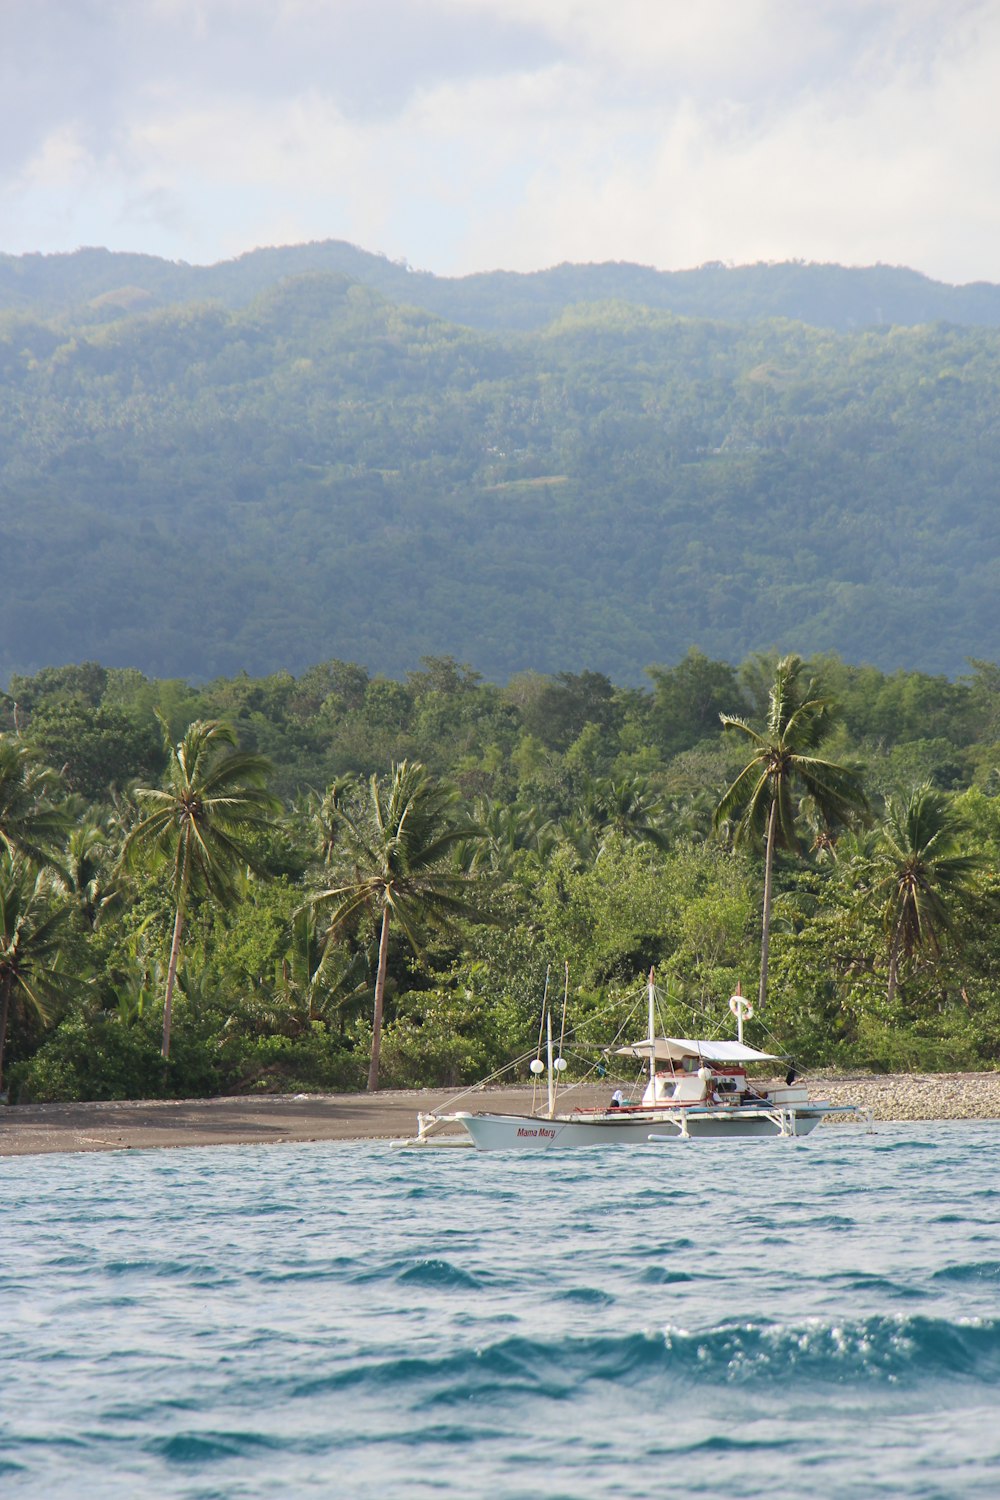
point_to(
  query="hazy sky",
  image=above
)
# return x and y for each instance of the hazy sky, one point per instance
(465, 135)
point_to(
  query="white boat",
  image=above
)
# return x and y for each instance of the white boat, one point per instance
(695, 1090)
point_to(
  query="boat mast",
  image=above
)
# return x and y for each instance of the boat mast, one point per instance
(552, 1074)
(559, 1066)
(652, 1030)
(536, 1065)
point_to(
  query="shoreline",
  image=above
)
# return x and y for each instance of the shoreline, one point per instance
(141, 1125)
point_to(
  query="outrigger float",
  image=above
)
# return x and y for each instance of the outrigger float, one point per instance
(696, 1090)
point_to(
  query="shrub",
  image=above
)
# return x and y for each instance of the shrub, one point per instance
(100, 1057)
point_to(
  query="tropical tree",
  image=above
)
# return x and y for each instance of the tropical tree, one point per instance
(196, 826)
(504, 831)
(314, 978)
(33, 918)
(579, 836)
(397, 849)
(918, 873)
(31, 823)
(85, 868)
(318, 813)
(762, 803)
(630, 807)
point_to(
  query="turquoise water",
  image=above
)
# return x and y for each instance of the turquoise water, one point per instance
(712, 1318)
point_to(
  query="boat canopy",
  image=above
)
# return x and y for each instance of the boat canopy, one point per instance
(676, 1048)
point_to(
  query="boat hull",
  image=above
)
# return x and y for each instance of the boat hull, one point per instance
(496, 1132)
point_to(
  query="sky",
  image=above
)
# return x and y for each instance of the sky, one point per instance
(468, 135)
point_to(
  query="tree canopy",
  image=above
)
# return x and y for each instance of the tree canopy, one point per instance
(433, 844)
(199, 487)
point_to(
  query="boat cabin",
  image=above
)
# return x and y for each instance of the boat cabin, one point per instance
(697, 1085)
(685, 1071)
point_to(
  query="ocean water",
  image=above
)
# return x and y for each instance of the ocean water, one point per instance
(724, 1318)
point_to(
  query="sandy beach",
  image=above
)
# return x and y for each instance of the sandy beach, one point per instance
(35, 1129)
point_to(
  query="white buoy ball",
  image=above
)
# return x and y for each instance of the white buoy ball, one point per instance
(536, 1065)
(560, 1065)
(704, 1074)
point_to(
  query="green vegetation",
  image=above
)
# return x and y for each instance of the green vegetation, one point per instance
(780, 763)
(100, 285)
(601, 470)
(428, 847)
(395, 850)
(920, 876)
(31, 919)
(196, 826)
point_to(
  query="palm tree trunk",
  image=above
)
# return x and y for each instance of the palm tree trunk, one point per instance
(893, 966)
(175, 950)
(383, 964)
(4, 1014)
(765, 932)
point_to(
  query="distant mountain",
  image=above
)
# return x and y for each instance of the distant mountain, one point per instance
(93, 285)
(321, 471)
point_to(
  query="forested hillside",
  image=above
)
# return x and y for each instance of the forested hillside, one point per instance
(560, 819)
(202, 489)
(101, 284)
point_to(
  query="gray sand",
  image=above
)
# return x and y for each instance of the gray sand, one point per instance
(33, 1129)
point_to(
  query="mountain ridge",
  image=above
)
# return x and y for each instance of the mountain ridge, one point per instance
(820, 294)
(196, 489)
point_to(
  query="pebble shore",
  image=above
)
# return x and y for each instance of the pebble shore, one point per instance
(914, 1096)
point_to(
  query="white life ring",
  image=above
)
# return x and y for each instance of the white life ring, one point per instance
(740, 1004)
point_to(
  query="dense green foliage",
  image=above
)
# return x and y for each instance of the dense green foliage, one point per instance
(764, 803)
(559, 819)
(197, 486)
(96, 284)
(195, 828)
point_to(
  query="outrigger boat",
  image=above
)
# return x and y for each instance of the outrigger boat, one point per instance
(696, 1089)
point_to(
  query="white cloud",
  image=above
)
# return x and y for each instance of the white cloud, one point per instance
(471, 133)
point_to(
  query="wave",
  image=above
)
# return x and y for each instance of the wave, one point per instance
(879, 1349)
(908, 1144)
(588, 1296)
(201, 1274)
(816, 1352)
(327, 1268)
(983, 1270)
(436, 1273)
(871, 1285)
(208, 1446)
(431, 1272)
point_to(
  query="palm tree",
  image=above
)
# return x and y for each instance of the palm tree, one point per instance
(30, 822)
(579, 835)
(33, 915)
(214, 796)
(630, 807)
(319, 813)
(781, 764)
(84, 868)
(314, 980)
(503, 832)
(917, 873)
(397, 845)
